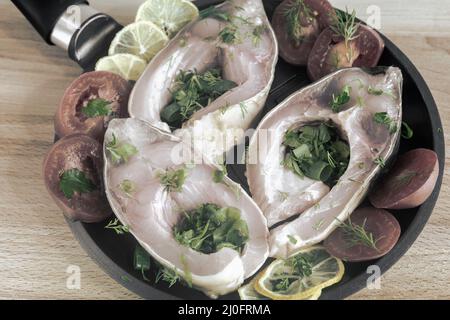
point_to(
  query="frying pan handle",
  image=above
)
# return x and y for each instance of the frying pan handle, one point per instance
(44, 14)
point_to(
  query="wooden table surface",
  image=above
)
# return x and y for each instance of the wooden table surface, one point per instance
(36, 245)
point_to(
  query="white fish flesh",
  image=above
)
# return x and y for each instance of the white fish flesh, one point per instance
(151, 211)
(249, 62)
(282, 194)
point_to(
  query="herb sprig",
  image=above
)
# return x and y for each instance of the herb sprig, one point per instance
(97, 108)
(210, 228)
(358, 235)
(384, 119)
(316, 152)
(293, 14)
(296, 268)
(173, 180)
(74, 180)
(117, 227)
(341, 99)
(120, 152)
(193, 91)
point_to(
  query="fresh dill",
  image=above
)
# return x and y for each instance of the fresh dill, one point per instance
(293, 14)
(117, 227)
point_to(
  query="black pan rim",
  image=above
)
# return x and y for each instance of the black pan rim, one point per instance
(341, 291)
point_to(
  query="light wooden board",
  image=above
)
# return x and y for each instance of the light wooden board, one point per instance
(36, 245)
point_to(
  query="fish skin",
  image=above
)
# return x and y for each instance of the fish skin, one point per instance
(221, 125)
(151, 211)
(367, 139)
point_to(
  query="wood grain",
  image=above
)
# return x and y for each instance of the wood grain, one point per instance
(36, 245)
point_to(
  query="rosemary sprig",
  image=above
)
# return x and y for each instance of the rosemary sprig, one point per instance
(345, 25)
(358, 235)
(293, 14)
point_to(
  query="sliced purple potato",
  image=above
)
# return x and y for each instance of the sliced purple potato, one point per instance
(90, 102)
(331, 52)
(73, 177)
(377, 224)
(296, 40)
(410, 182)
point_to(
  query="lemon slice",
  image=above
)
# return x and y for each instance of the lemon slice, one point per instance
(169, 15)
(248, 292)
(143, 39)
(301, 276)
(125, 65)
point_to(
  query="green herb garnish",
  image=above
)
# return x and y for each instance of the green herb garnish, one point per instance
(168, 275)
(375, 92)
(214, 12)
(293, 14)
(316, 152)
(210, 228)
(97, 108)
(193, 91)
(380, 161)
(383, 118)
(74, 180)
(257, 33)
(345, 26)
(220, 174)
(117, 227)
(173, 180)
(407, 132)
(141, 261)
(120, 152)
(296, 268)
(128, 187)
(229, 34)
(404, 179)
(358, 235)
(338, 101)
(292, 239)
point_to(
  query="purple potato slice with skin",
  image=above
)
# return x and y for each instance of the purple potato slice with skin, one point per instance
(85, 154)
(104, 85)
(330, 53)
(371, 144)
(409, 183)
(378, 223)
(296, 52)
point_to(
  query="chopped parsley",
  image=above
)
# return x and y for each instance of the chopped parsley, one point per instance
(74, 180)
(383, 118)
(316, 152)
(341, 99)
(210, 228)
(97, 108)
(120, 152)
(173, 180)
(193, 91)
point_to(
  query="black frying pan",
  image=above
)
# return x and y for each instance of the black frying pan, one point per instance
(90, 41)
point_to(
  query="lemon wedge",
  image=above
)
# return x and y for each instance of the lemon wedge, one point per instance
(169, 15)
(300, 277)
(127, 66)
(142, 39)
